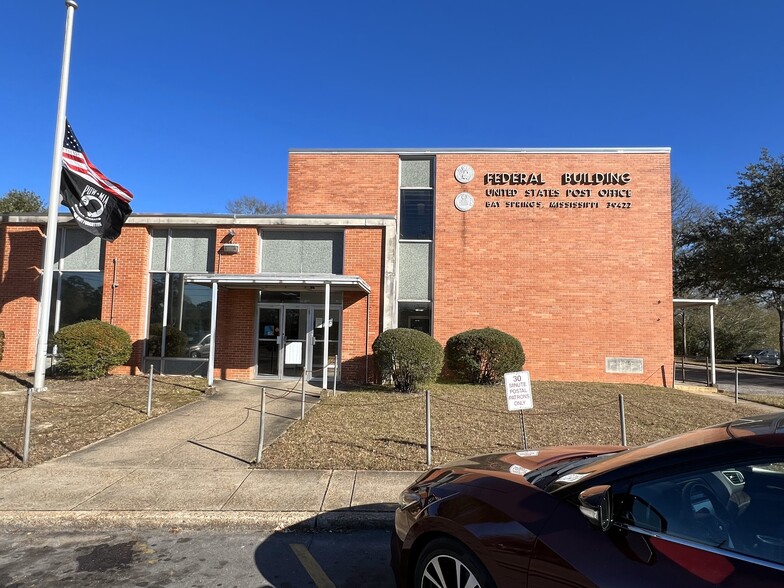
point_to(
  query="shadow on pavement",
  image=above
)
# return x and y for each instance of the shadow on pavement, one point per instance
(341, 555)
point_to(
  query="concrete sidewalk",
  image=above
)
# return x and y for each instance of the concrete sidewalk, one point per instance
(192, 468)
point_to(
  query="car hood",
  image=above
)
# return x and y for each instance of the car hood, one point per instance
(514, 465)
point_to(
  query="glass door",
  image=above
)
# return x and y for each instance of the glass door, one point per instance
(295, 333)
(269, 342)
(318, 338)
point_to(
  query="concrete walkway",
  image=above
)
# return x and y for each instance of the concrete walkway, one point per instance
(193, 468)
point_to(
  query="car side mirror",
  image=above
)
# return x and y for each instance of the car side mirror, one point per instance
(596, 505)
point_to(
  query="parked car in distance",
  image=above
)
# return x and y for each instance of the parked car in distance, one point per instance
(770, 356)
(200, 349)
(700, 509)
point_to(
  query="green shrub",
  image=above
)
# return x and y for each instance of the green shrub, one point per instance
(176, 341)
(483, 356)
(90, 348)
(408, 357)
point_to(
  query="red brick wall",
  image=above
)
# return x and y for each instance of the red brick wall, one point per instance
(236, 344)
(343, 184)
(126, 306)
(244, 262)
(574, 285)
(21, 255)
(235, 348)
(363, 255)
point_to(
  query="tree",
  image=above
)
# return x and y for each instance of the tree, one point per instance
(21, 201)
(740, 251)
(253, 205)
(687, 213)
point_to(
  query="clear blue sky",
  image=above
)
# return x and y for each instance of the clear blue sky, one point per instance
(190, 104)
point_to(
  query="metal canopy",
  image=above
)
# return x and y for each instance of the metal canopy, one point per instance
(710, 303)
(287, 281)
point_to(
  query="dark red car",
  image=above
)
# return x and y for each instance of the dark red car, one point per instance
(705, 508)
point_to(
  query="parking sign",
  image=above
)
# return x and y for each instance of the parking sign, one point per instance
(518, 391)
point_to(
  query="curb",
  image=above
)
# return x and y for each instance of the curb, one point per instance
(197, 520)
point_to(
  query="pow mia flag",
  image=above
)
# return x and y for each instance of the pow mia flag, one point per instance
(98, 205)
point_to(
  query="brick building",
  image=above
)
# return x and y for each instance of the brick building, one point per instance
(568, 250)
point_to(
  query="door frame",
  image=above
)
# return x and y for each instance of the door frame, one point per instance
(309, 344)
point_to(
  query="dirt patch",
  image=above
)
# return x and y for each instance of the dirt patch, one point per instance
(386, 431)
(72, 414)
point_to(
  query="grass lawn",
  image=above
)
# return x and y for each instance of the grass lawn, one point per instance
(380, 430)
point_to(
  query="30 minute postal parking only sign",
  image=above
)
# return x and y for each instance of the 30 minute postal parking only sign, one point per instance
(518, 391)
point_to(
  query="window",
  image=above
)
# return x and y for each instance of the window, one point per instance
(736, 507)
(77, 282)
(179, 311)
(302, 252)
(416, 220)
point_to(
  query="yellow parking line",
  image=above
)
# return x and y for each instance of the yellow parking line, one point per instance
(311, 566)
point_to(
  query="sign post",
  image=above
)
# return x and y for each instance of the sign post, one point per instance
(519, 397)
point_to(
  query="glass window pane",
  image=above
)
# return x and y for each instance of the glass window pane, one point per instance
(192, 251)
(416, 214)
(157, 289)
(80, 297)
(415, 173)
(158, 262)
(189, 317)
(82, 251)
(414, 315)
(414, 271)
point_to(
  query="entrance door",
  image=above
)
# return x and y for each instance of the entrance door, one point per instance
(288, 341)
(269, 342)
(295, 338)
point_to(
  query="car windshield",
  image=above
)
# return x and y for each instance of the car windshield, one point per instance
(555, 475)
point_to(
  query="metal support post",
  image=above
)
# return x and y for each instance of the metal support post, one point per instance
(28, 411)
(623, 419)
(522, 431)
(304, 375)
(427, 426)
(149, 391)
(736, 385)
(261, 424)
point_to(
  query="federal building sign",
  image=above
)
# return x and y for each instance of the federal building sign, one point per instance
(574, 189)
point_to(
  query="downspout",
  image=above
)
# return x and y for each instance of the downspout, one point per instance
(114, 288)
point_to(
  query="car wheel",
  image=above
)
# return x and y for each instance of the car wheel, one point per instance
(446, 563)
(195, 354)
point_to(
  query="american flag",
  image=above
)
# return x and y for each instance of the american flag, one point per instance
(76, 161)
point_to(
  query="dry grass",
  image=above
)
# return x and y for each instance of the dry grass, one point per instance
(73, 414)
(384, 431)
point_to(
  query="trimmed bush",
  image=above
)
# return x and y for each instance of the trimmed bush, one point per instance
(483, 356)
(91, 348)
(408, 357)
(176, 341)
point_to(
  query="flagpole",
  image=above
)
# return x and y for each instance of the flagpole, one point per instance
(51, 225)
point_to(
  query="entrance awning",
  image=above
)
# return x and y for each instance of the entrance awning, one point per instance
(680, 304)
(337, 282)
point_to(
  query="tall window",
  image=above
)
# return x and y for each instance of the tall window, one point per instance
(180, 312)
(77, 284)
(416, 244)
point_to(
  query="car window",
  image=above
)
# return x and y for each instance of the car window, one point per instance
(737, 508)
